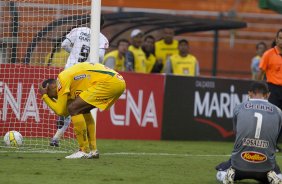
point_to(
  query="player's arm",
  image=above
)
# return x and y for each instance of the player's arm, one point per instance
(103, 46)
(67, 45)
(101, 54)
(236, 111)
(59, 106)
(260, 75)
(280, 119)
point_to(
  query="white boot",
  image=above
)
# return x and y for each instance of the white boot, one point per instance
(94, 154)
(229, 177)
(76, 155)
(273, 178)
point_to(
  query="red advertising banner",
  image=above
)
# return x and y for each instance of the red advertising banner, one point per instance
(136, 115)
(138, 112)
(21, 107)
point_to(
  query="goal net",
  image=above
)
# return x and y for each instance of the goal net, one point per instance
(31, 33)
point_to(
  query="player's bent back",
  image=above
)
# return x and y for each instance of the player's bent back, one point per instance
(96, 84)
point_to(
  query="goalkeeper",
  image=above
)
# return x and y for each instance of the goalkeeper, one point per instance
(77, 43)
(79, 89)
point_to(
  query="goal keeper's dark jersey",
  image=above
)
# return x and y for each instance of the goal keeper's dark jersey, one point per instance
(257, 124)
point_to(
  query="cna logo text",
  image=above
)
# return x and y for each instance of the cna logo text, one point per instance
(144, 118)
(23, 104)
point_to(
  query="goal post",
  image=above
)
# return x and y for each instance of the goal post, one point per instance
(95, 30)
(31, 33)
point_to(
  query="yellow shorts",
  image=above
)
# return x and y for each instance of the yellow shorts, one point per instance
(104, 94)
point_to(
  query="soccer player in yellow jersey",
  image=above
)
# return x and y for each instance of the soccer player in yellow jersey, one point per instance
(77, 90)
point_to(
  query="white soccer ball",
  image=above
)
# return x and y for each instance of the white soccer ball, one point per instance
(13, 139)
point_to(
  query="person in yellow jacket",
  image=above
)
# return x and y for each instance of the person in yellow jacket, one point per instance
(166, 47)
(78, 90)
(183, 63)
(116, 58)
(135, 59)
(57, 58)
(152, 66)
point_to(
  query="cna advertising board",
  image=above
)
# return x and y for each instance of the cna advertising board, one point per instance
(136, 115)
(138, 112)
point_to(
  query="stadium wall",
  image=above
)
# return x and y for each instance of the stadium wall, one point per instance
(153, 107)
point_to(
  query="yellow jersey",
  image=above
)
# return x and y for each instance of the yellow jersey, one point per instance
(94, 83)
(119, 62)
(139, 59)
(150, 62)
(59, 58)
(163, 50)
(80, 77)
(184, 65)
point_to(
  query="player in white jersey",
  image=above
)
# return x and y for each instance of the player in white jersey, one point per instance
(77, 43)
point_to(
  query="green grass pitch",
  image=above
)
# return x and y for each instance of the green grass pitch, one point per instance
(121, 162)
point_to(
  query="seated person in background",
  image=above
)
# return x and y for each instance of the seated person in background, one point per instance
(166, 47)
(116, 58)
(260, 49)
(182, 63)
(256, 124)
(148, 48)
(58, 57)
(78, 90)
(135, 59)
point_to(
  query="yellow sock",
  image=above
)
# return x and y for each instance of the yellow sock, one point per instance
(80, 131)
(91, 131)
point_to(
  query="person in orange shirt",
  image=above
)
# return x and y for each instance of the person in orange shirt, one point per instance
(271, 66)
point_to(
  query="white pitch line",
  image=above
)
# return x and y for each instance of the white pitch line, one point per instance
(162, 154)
(118, 153)
(126, 153)
(35, 151)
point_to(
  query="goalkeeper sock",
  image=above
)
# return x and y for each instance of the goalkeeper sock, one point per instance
(67, 122)
(80, 131)
(91, 131)
(60, 132)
